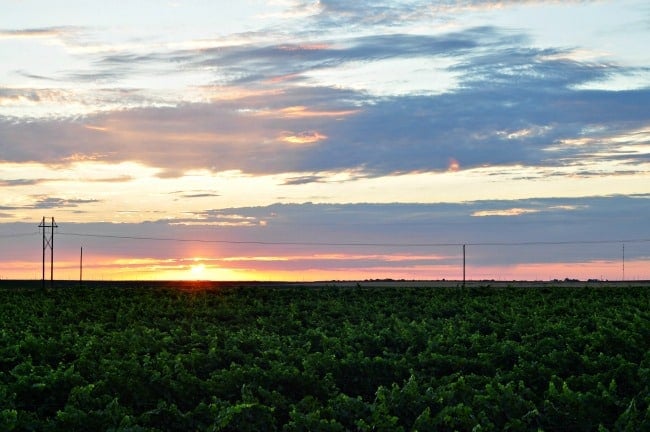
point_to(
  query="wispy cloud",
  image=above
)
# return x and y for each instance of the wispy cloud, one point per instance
(58, 203)
(362, 14)
(19, 182)
(306, 137)
(45, 32)
(304, 179)
(44, 202)
(200, 195)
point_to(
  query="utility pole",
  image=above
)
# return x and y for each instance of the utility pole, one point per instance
(81, 265)
(463, 266)
(48, 242)
(623, 262)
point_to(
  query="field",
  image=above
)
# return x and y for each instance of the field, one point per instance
(330, 357)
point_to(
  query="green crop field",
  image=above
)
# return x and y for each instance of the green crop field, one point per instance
(211, 357)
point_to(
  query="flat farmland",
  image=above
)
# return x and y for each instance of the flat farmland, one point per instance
(331, 356)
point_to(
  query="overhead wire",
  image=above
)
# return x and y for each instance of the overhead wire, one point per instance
(352, 244)
(18, 235)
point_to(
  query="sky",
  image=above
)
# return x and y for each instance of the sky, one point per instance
(325, 140)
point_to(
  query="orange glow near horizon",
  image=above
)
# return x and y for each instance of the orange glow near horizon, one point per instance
(245, 270)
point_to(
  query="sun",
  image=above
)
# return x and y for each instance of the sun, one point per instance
(197, 269)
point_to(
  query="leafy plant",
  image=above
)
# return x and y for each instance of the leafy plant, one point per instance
(214, 358)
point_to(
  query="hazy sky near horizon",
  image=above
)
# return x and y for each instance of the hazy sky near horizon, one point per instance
(375, 122)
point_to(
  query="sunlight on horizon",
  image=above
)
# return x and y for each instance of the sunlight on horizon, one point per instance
(164, 270)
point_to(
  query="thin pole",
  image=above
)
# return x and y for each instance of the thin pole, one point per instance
(81, 265)
(463, 266)
(43, 267)
(52, 255)
(623, 261)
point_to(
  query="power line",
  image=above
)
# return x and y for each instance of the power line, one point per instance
(555, 243)
(18, 235)
(377, 244)
(273, 243)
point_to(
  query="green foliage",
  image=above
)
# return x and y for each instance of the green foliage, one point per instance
(324, 359)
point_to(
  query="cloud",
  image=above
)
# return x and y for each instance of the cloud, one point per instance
(27, 104)
(20, 182)
(178, 138)
(551, 219)
(362, 14)
(199, 195)
(58, 203)
(513, 105)
(306, 137)
(515, 211)
(43, 202)
(10, 96)
(383, 13)
(536, 207)
(386, 239)
(42, 32)
(300, 111)
(222, 218)
(247, 64)
(293, 181)
(400, 134)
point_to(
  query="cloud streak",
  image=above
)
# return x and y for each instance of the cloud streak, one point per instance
(45, 203)
(43, 32)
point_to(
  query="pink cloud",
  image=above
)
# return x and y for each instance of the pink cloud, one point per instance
(307, 137)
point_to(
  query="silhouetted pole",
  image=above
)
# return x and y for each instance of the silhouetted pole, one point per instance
(48, 242)
(81, 265)
(463, 266)
(43, 266)
(52, 253)
(623, 262)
